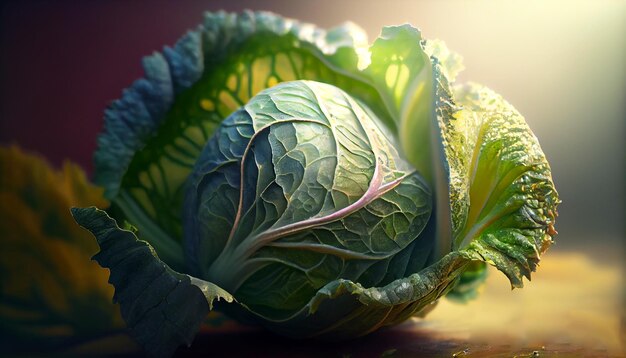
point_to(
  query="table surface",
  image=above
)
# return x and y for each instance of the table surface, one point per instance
(572, 308)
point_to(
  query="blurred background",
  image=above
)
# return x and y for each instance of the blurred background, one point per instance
(560, 63)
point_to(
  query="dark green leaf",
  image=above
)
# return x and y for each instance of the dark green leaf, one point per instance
(163, 308)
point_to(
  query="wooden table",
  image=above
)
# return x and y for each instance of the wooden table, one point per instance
(572, 308)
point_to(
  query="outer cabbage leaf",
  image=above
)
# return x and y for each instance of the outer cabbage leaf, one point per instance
(450, 63)
(344, 309)
(502, 198)
(401, 71)
(50, 290)
(163, 308)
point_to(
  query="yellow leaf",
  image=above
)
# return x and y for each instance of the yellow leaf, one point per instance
(50, 288)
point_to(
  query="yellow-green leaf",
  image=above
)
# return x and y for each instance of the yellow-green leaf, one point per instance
(50, 289)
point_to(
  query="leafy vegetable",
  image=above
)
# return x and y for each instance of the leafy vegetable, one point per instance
(50, 289)
(300, 179)
(148, 308)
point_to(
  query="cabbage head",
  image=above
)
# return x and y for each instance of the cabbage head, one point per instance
(305, 181)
